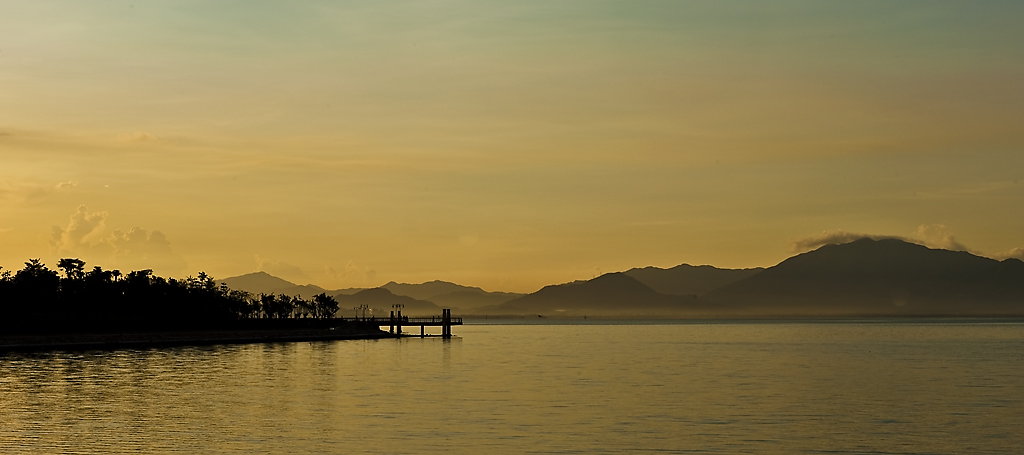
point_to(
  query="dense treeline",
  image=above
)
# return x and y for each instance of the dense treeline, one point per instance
(37, 298)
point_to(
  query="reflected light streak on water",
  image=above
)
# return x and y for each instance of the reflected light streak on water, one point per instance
(738, 387)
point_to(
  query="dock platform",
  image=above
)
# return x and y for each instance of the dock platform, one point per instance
(396, 321)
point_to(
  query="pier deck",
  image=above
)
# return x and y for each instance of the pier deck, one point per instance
(395, 322)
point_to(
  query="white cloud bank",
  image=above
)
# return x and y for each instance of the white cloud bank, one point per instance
(135, 249)
(930, 235)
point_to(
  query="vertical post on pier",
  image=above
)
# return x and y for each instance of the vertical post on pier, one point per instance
(423, 333)
(446, 323)
(399, 326)
(392, 321)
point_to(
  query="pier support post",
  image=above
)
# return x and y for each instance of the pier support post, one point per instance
(399, 326)
(446, 323)
(392, 321)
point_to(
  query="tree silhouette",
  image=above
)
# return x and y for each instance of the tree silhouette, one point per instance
(303, 307)
(277, 306)
(37, 277)
(324, 306)
(268, 303)
(74, 269)
(36, 299)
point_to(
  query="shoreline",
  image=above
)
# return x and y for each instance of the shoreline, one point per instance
(55, 341)
(735, 316)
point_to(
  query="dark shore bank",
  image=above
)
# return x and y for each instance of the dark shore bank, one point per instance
(111, 340)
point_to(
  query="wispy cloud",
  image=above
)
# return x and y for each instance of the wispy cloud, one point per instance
(18, 191)
(938, 236)
(21, 191)
(1016, 253)
(137, 136)
(352, 275)
(971, 190)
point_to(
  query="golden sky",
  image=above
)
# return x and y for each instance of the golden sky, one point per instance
(506, 145)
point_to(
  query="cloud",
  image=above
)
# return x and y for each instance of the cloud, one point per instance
(836, 237)
(281, 269)
(138, 136)
(938, 236)
(27, 191)
(141, 249)
(1016, 253)
(82, 226)
(352, 275)
(930, 235)
(136, 249)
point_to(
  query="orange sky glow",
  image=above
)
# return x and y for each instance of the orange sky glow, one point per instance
(506, 145)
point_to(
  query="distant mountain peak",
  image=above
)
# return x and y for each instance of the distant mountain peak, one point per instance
(373, 291)
(880, 277)
(426, 290)
(257, 282)
(383, 300)
(689, 280)
(611, 293)
(257, 274)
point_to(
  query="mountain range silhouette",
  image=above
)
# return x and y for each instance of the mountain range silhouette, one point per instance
(866, 277)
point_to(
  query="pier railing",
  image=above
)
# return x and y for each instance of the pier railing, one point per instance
(406, 320)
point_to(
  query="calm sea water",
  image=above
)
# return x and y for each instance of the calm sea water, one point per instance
(736, 387)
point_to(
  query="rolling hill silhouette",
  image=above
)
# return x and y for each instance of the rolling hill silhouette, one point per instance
(450, 295)
(265, 283)
(688, 280)
(257, 282)
(426, 290)
(381, 301)
(878, 277)
(465, 300)
(609, 294)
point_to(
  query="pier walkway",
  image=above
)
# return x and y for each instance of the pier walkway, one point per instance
(395, 322)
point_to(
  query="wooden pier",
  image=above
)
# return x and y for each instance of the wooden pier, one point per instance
(396, 321)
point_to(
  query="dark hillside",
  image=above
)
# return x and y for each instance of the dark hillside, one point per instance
(472, 299)
(688, 280)
(879, 277)
(424, 291)
(381, 301)
(257, 283)
(609, 294)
